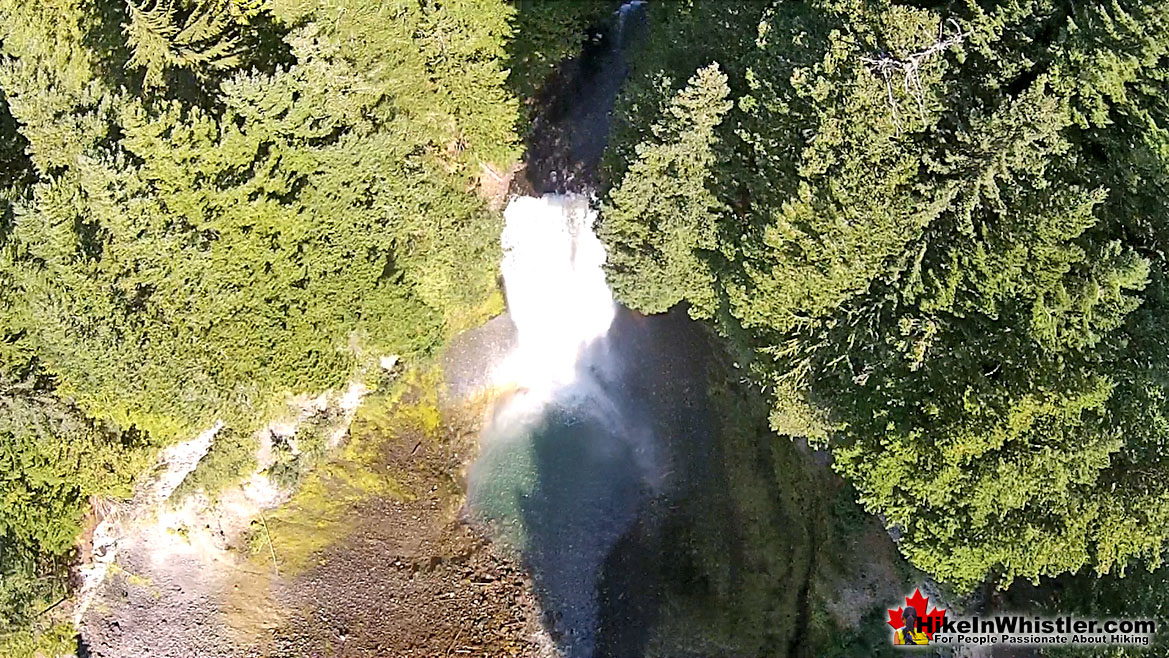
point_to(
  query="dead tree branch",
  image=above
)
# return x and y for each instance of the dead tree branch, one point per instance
(271, 548)
(887, 67)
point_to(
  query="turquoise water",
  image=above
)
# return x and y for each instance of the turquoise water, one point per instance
(566, 467)
(564, 475)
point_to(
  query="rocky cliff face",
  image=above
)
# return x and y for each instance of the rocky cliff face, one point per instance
(163, 566)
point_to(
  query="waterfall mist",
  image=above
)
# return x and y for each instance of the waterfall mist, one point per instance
(570, 456)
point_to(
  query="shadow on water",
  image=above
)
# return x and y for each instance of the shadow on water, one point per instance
(661, 399)
(670, 381)
(656, 514)
(654, 509)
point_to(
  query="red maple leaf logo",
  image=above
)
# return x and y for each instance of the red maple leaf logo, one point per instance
(930, 622)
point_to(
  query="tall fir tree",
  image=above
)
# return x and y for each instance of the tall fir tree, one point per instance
(661, 220)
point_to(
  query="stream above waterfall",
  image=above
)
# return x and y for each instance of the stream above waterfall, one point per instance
(576, 447)
(570, 455)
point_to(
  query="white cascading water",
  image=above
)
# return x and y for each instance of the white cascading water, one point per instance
(556, 291)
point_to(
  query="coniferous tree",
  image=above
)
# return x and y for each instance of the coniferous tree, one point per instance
(196, 223)
(160, 39)
(661, 220)
(547, 33)
(182, 266)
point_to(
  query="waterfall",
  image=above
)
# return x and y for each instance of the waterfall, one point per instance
(558, 471)
(556, 292)
(568, 457)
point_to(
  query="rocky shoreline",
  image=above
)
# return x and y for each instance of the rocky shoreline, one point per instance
(371, 555)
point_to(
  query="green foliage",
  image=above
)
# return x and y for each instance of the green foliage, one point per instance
(941, 233)
(293, 458)
(661, 220)
(15, 167)
(684, 37)
(183, 266)
(53, 459)
(55, 59)
(160, 40)
(207, 205)
(1141, 593)
(231, 457)
(57, 639)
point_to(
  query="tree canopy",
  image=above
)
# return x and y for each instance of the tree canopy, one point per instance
(210, 204)
(939, 230)
(185, 261)
(933, 232)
